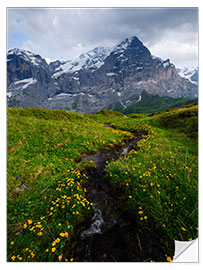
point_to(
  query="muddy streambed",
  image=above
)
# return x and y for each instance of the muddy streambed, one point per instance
(112, 236)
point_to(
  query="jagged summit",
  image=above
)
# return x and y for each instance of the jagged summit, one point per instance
(18, 51)
(33, 58)
(94, 59)
(91, 60)
(127, 42)
(102, 78)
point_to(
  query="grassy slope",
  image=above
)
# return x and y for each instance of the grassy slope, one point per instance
(151, 103)
(159, 178)
(43, 146)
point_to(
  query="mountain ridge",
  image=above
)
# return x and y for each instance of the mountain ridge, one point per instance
(96, 80)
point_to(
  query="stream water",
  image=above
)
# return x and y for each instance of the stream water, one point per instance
(113, 236)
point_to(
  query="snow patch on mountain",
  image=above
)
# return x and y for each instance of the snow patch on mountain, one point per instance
(16, 87)
(24, 83)
(92, 60)
(20, 85)
(28, 56)
(190, 73)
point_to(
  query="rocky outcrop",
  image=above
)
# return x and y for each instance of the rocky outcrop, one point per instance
(103, 78)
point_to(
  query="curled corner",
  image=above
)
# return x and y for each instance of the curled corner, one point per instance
(186, 251)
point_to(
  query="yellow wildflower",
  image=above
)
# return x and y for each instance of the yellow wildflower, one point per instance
(39, 233)
(29, 221)
(12, 243)
(60, 257)
(53, 249)
(140, 212)
(130, 197)
(62, 234)
(145, 217)
(13, 258)
(183, 229)
(169, 259)
(57, 240)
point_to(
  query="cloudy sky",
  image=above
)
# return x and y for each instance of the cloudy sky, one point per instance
(66, 33)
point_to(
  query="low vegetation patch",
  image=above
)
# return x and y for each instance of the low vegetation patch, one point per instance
(160, 177)
(153, 103)
(46, 187)
(46, 183)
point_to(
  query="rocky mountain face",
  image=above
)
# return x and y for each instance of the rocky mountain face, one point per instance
(103, 78)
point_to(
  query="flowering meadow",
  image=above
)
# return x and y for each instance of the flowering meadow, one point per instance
(160, 177)
(46, 179)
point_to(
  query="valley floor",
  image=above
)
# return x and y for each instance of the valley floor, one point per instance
(48, 182)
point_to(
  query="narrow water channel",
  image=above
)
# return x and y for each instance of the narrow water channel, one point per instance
(113, 236)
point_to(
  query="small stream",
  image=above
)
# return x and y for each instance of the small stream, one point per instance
(113, 236)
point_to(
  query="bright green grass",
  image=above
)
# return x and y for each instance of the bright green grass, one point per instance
(42, 155)
(159, 178)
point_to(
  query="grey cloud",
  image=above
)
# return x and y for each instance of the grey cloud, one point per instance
(62, 33)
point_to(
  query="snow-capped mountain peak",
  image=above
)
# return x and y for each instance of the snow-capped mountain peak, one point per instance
(91, 60)
(94, 59)
(190, 73)
(28, 56)
(102, 78)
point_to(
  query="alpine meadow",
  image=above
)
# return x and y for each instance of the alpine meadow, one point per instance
(102, 134)
(156, 182)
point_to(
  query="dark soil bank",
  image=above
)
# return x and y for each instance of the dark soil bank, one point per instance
(112, 236)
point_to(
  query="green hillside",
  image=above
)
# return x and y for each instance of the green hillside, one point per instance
(154, 103)
(47, 181)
